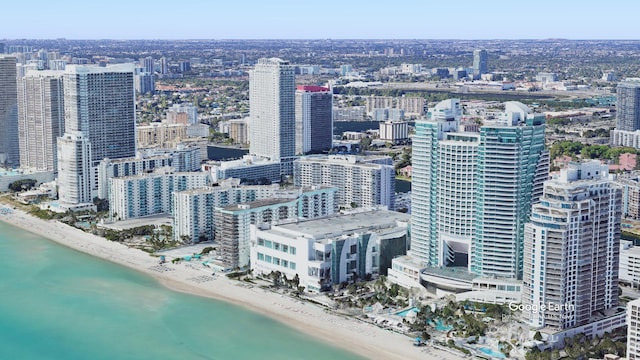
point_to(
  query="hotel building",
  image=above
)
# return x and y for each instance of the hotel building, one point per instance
(472, 191)
(329, 251)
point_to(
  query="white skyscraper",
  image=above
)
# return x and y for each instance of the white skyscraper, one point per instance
(272, 106)
(99, 105)
(74, 168)
(41, 118)
(572, 249)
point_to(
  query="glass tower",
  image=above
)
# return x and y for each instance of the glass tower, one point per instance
(472, 191)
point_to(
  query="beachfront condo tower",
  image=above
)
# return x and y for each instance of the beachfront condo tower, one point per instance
(272, 112)
(41, 118)
(99, 107)
(572, 249)
(9, 150)
(472, 190)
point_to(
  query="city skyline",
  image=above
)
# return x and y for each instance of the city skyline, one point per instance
(286, 19)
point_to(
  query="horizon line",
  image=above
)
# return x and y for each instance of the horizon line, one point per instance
(322, 39)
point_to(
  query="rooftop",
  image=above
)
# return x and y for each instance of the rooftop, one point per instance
(456, 273)
(257, 204)
(348, 223)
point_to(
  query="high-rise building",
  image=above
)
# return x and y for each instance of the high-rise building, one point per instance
(572, 249)
(74, 168)
(272, 108)
(472, 191)
(144, 83)
(41, 119)
(100, 102)
(314, 119)
(164, 66)
(628, 105)
(9, 149)
(443, 118)
(512, 167)
(479, 63)
(184, 66)
(147, 65)
(99, 105)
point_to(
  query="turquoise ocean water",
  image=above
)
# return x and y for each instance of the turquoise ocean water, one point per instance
(56, 303)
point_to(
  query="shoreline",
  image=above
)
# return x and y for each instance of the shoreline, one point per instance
(354, 336)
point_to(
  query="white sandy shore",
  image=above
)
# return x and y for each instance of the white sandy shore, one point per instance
(361, 338)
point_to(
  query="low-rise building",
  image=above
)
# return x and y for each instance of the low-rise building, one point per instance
(629, 272)
(249, 168)
(332, 250)
(625, 138)
(8, 176)
(394, 130)
(633, 330)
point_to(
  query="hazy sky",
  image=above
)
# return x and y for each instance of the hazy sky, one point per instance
(314, 19)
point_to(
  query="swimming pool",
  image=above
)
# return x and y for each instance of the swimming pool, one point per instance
(440, 326)
(404, 313)
(487, 351)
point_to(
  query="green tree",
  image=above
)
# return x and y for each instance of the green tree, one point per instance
(537, 336)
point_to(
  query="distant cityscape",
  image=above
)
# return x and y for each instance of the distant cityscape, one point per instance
(493, 185)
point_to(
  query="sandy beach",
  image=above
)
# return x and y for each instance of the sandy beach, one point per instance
(362, 338)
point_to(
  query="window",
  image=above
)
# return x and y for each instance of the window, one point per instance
(261, 256)
(268, 244)
(285, 248)
(276, 261)
(267, 258)
(292, 265)
(293, 250)
(260, 242)
(276, 246)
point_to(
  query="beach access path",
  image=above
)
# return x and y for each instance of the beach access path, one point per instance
(358, 337)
